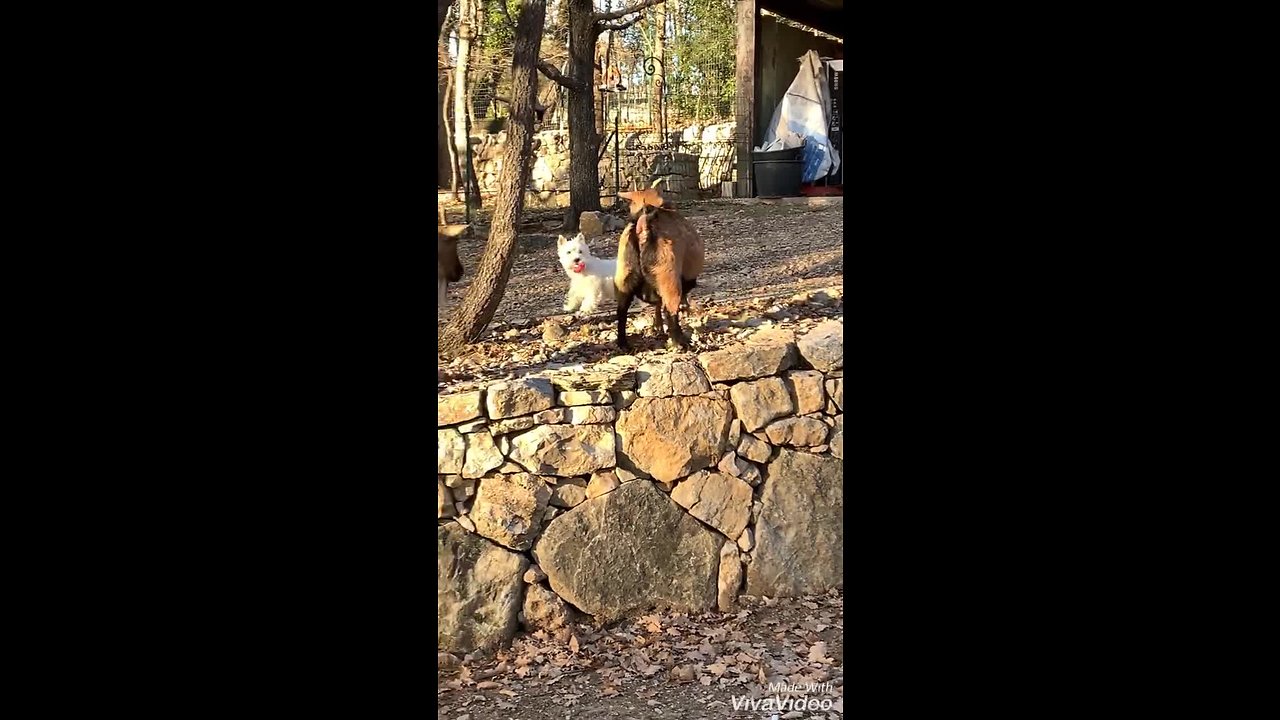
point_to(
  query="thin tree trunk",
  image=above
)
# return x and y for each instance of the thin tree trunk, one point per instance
(486, 290)
(442, 10)
(456, 170)
(584, 142)
(460, 135)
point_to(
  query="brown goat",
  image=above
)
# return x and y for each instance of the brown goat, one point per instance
(660, 256)
(448, 266)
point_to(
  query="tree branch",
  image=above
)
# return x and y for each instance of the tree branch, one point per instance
(551, 72)
(511, 23)
(637, 7)
(622, 25)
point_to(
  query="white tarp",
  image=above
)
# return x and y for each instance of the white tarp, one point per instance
(803, 117)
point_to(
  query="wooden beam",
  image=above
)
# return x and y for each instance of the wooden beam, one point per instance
(745, 93)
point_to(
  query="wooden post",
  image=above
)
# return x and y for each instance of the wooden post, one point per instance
(745, 93)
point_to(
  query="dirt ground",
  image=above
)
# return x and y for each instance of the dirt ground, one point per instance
(663, 665)
(760, 255)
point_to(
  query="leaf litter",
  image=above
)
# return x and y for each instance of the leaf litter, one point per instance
(660, 664)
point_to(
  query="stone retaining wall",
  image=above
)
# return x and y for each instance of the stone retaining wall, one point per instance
(705, 157)
(694, 480)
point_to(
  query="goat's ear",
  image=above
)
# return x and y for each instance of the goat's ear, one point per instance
(453, 231)
(625, 195)
(561, 240)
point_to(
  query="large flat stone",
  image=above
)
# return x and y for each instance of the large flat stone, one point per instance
(479, 591)
(799, 534)
(672, 437)
(631, 549)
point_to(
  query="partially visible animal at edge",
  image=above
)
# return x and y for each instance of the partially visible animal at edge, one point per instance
(660, 256)
(448, 266)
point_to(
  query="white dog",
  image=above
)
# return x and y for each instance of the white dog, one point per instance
(590, 277)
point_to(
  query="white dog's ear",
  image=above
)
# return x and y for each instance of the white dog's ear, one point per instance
(581, 237)
(561, 240)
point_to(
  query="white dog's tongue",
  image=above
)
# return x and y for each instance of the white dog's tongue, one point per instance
(579, 267)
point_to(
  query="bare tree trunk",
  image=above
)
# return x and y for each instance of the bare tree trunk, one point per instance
(455, 169)
(460, 135)
(486, 290)
(584, 142)
(442, 10)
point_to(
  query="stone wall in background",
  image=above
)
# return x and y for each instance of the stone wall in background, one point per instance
(704, 158)
(677, 484)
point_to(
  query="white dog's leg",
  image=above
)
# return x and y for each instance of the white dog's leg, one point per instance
(572, 300)
(589, 303)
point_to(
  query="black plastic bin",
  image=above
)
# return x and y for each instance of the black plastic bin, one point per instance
(778, 178)
(788, 154)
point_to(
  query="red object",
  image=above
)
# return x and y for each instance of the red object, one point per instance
(821, 190)
(579, 267)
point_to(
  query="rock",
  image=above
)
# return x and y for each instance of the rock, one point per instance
(735, 431)
(751, 474)
(482, 455)
(591, 224)
(554, 416)
(460, 407)
(462, 487)
(800, 431)
(460, 507)
(801, 517)
(731, 464)
(564, 450)
(746, 541)
(544, 610)
(819, 449)
(568, 496)
(519, 397)
(748, 361)
(472, 426)
(622, 399)
(632, 549)
(837, 444)
(756, 507)
(465, 522)
(667, 379)
(754, 449)
(509, 467)
(534, 575)
(807, 391)
(625, 475)
(504, 446)
(553, 332)
(823, 346)
(479, 593)
(601, 483)
(831, 407)
(721, 501)
(444, 500)
(551, 513)
(592, 415)
(503, 427)
(730, 578)
(835, 389)
(584, 397)
(669, 438)
(756, 403)
(451, 449)
(508, 508)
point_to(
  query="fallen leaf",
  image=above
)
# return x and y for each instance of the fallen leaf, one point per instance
(573, 644)
(818, 652)
(717, 669)
(488, 685)
(705, 679)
